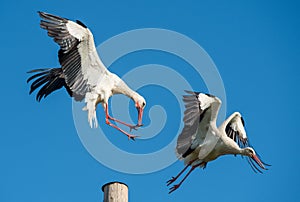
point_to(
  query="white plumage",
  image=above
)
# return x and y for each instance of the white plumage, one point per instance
(202, 141)
(82, 72)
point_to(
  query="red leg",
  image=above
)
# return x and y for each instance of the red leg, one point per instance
(116, 127)
(125, 124)
(173, 179)
(116, 120)
(176, 186)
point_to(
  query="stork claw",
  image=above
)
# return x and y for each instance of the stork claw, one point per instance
(171, 181)
(175, 187)
(132, 137)
(135, 127)
(119, 129)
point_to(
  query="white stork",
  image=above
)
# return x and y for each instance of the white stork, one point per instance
(82, 72)
(202, 141)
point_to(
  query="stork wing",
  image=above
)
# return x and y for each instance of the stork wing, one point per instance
(197, 116)
(235, 129)
(78, 57)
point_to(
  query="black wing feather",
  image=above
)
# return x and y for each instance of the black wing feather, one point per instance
(68, 55)
(50, 80)
(234, 135)
(193, 115)
(242, 142)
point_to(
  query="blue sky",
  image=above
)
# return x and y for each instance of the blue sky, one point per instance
(254, 45)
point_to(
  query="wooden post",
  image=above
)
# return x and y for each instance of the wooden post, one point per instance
(115, 192)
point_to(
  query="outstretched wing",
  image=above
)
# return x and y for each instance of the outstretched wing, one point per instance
(78, 57)
(234, 128)
(50, 80)
(197, 115)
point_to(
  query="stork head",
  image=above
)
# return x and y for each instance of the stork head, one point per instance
(140, 104)
(248, 151)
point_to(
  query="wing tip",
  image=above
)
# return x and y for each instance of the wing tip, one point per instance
(197, 93)
(192, 92)
(51, 17)
(41, 13)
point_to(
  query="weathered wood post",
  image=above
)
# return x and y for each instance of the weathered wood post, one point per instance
(115, 192)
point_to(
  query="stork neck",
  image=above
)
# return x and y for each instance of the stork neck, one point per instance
(122, 88)
(244, 152)
(233, 149)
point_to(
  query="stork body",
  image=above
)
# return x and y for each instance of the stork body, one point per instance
(82, 72)
(201, 141)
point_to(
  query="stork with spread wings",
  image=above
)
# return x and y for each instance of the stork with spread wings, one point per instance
(82, 72)
(201, 141)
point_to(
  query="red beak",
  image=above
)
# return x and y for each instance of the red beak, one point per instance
(140, 115)
(258, 161)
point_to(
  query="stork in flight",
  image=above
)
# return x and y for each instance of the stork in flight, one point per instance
(202, 141)
(82, 72)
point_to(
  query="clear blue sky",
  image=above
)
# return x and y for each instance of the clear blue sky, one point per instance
(255, 46)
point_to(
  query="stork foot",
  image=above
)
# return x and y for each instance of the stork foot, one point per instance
(134, 127)
(131, 137)
(175, 187)
(171, 181)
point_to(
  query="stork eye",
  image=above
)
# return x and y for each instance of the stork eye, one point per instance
(144, 104)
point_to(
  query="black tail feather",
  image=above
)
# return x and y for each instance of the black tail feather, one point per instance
(49, 80)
